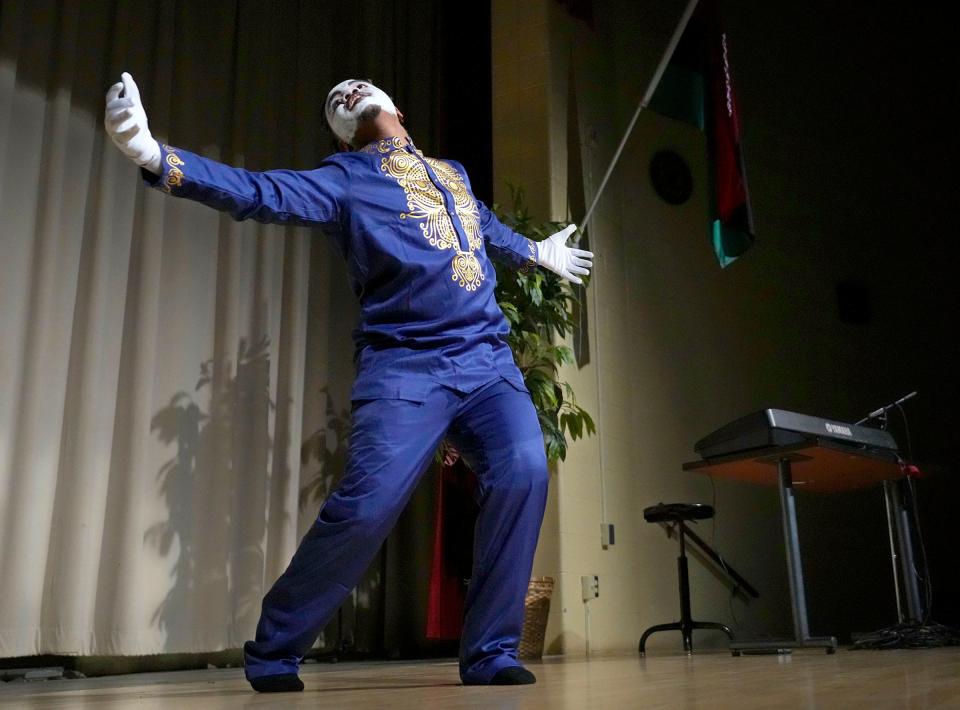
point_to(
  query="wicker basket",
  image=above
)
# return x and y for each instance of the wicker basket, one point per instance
(537, 608)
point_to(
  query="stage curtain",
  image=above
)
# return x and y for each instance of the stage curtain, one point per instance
(161, 364)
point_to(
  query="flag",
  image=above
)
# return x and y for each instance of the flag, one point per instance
(697, 87)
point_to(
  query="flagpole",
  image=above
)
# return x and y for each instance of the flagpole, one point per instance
(648, 94)
(661, 67)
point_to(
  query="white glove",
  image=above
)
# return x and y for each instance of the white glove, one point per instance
(554, 254)
(126, 124)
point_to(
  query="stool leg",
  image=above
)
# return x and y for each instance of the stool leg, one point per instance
(712, 625)
(686, 625)
(654, 629)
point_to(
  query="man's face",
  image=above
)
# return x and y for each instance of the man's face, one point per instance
(352, 102)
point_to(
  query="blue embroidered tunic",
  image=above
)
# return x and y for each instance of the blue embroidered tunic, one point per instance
(416, 244)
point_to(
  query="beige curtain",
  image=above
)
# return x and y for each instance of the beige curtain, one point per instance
(160, 364)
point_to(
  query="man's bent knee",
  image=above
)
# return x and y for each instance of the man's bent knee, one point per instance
(524, 468)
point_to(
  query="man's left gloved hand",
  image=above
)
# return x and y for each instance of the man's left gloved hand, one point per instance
(554, 254)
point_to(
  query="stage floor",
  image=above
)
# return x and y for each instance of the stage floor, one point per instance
(928, 678)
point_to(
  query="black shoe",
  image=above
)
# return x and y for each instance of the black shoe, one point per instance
(281, 683)
(513, 675)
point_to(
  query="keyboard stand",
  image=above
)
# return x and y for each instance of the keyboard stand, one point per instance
(798, 597)
(822, 465)
(846, 457)
(900, 530)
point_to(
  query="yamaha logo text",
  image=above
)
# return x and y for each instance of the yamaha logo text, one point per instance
(838, 429)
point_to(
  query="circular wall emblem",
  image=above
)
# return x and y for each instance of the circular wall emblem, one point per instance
(671, 177)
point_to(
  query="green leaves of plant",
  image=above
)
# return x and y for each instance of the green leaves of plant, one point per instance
(538, 304)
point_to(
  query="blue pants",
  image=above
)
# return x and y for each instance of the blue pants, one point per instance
(392, 443)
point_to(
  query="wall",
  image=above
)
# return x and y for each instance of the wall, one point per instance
(682, 346)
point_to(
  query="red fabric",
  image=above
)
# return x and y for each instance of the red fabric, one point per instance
(730, 184)
(452, 551)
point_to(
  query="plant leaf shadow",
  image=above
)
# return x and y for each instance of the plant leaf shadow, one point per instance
(215, 489)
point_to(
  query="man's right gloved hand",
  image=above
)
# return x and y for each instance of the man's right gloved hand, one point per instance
(126, 124)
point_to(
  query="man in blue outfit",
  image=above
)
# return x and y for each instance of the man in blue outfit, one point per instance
(432, 363)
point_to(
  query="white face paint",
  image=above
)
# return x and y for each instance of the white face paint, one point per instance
(350, 103)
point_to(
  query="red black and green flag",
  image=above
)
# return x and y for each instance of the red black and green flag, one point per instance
(697, 87)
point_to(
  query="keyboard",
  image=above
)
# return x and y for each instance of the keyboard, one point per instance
(779, 427)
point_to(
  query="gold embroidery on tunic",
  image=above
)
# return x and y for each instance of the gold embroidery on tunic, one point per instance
(531, 258)
(425, 203)
(384, 145)
(174, 176)
(465, 205)
(466, 270)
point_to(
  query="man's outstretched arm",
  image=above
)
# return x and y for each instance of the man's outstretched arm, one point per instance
(313, 197)
(523, 253)
(551, 253)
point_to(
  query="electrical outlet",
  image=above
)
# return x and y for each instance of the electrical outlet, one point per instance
(589, 587)
(606, 535)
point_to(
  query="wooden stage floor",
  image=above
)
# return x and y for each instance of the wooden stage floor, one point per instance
(928, 678)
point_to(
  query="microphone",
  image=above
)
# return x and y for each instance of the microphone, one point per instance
(883, 410)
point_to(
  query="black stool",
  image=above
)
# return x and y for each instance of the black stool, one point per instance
(676, 513)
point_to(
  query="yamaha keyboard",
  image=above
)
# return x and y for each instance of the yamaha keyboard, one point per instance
(791, 450)
(778, 427)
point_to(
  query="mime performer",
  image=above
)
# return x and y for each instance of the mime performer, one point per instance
(432, 363)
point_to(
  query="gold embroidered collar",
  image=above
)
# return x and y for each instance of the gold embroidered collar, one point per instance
(387, 145)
